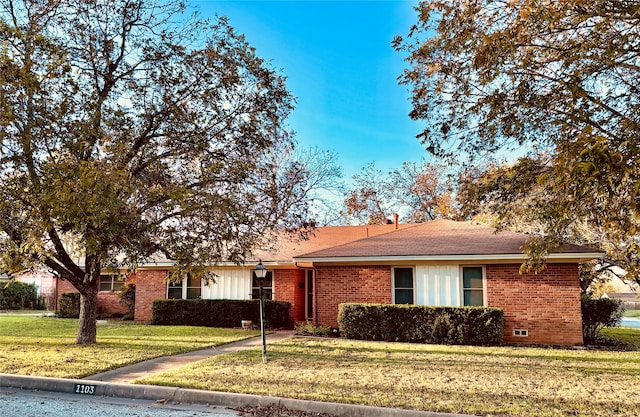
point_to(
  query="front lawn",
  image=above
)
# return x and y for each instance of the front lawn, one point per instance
(46, 346)
(496, 381)
(489, 381)
(632, 313)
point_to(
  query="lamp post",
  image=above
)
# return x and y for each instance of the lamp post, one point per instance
(261, 274)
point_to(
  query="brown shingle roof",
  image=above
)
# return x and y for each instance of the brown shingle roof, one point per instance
(323, 238)
(435, 238)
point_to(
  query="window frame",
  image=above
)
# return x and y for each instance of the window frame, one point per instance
(115, 283)
(413, 284)
(184, 286)
(267, 290)
(463, 289)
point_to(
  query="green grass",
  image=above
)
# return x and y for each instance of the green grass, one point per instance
(627, 335)
(489, 381)
(46, 346)
(632, 313)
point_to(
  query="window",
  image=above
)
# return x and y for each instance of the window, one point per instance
(472, 286)
(111, 282)
(403, 285)
(190, 288)
(174, 290)
(267, 286)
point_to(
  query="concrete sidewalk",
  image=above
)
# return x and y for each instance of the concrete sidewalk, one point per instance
(129, 373)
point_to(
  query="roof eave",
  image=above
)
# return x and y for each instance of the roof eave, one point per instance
(555, 257)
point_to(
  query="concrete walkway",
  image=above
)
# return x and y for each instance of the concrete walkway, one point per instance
(127, 374)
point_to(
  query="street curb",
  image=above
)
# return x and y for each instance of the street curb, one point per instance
(183, 395)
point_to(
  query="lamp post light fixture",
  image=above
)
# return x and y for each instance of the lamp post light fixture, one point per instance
(261, 274)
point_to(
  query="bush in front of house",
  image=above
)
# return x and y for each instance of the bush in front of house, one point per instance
(477, 326)
(310, 329)
(16, 295)
(598, 313)
(220, 313)
(127, 297)
(69, 307)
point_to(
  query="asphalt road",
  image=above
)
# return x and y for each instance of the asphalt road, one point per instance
(48, 404)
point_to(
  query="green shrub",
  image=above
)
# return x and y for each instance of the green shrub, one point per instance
(127, 297)
(422, 324)
(69, 305)
(598, 313)
(16, 295)
(310, 329)
(220, 313)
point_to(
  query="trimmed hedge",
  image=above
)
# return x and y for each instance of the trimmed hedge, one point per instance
(16, 295)
(69, 305)
(220, 313)
(477, 326)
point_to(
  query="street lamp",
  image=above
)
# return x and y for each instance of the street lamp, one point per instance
(261, 274)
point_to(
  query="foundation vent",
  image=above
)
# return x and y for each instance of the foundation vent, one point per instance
(521, 332)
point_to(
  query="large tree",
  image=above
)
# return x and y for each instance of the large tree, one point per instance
(419, 192)
(128, 128)
(319, 181)
(556, 76)
(521, 197)
(368, 201)
(423, 191)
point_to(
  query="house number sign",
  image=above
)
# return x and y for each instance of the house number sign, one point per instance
(84, 389)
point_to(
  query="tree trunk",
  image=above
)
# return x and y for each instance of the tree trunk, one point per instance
(88, 314)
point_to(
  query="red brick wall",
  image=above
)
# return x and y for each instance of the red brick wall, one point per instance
(150, 285)
(108, 301)
(64, 286)
(546, 304)
(288, 285)
(348, 284)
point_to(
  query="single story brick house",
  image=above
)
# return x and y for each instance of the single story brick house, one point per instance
(439, 263)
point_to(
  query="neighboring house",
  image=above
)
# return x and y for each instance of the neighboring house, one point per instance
(44, 282)
(616, 285)
(439, 263)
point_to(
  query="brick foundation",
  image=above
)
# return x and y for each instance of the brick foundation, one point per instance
(546, 304)
(348, 284)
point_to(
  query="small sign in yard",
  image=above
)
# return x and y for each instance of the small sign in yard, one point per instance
(84, 389)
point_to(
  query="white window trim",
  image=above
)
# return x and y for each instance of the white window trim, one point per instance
(393, 282)
(484, 283)
(273, 284)
(114, 279)
(184, 289)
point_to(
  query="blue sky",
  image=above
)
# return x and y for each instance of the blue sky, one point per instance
(339, 63)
